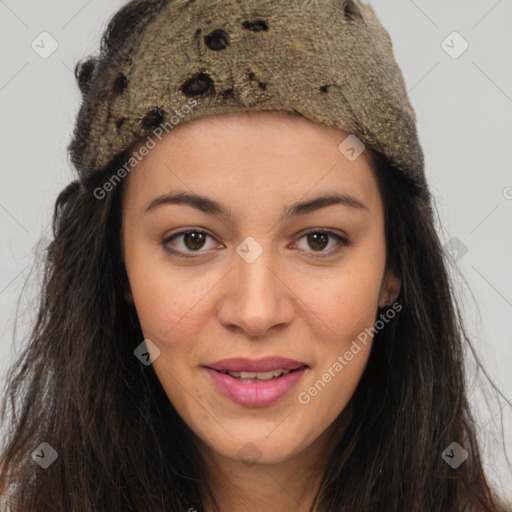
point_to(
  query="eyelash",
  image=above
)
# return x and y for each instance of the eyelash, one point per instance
(342, 242)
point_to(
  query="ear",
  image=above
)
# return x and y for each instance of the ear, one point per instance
(390, 289)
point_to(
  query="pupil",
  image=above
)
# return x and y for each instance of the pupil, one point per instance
(318, 238)
(197, 240)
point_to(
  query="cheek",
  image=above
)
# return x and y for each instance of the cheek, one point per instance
(346, 301)
(342, 352)
(168, 303)
(329, 390)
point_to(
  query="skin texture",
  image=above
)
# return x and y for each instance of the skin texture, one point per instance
(290, 301)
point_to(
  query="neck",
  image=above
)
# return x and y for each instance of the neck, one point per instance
(287, 485)
(290, 484)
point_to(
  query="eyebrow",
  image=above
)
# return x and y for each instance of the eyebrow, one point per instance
(212, 207)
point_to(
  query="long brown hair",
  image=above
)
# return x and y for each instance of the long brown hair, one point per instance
(122, 446)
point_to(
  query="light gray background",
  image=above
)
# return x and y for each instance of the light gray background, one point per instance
(464, 111)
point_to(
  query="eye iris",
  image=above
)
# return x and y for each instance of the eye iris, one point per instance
(318, 238)
(195, 238)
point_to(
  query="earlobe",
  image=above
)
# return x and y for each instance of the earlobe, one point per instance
(390, 289)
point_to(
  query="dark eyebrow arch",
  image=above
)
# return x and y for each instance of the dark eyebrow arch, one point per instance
(212, 207)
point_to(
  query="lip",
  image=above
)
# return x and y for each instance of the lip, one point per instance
(255, 394)
(265, 364)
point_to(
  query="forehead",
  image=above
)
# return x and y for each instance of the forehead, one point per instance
(252, 152)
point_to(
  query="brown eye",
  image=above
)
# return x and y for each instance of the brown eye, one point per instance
(317, 241)
(192, 240)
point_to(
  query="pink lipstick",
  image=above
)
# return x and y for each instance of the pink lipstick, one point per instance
(256, 382)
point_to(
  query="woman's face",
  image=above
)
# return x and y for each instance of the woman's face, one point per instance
(231, 253)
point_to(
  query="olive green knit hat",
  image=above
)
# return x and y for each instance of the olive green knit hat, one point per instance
(330, 61)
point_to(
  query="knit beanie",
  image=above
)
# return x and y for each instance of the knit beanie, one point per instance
(330, 61)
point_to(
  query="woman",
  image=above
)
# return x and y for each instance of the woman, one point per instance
(246, 305)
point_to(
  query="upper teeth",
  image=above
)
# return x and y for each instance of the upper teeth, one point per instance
(258, 375)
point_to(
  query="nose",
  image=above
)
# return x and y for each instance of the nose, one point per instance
(256, 297)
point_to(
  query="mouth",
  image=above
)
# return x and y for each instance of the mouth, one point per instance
(256, 389)
(262, 365)
(268, 376)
